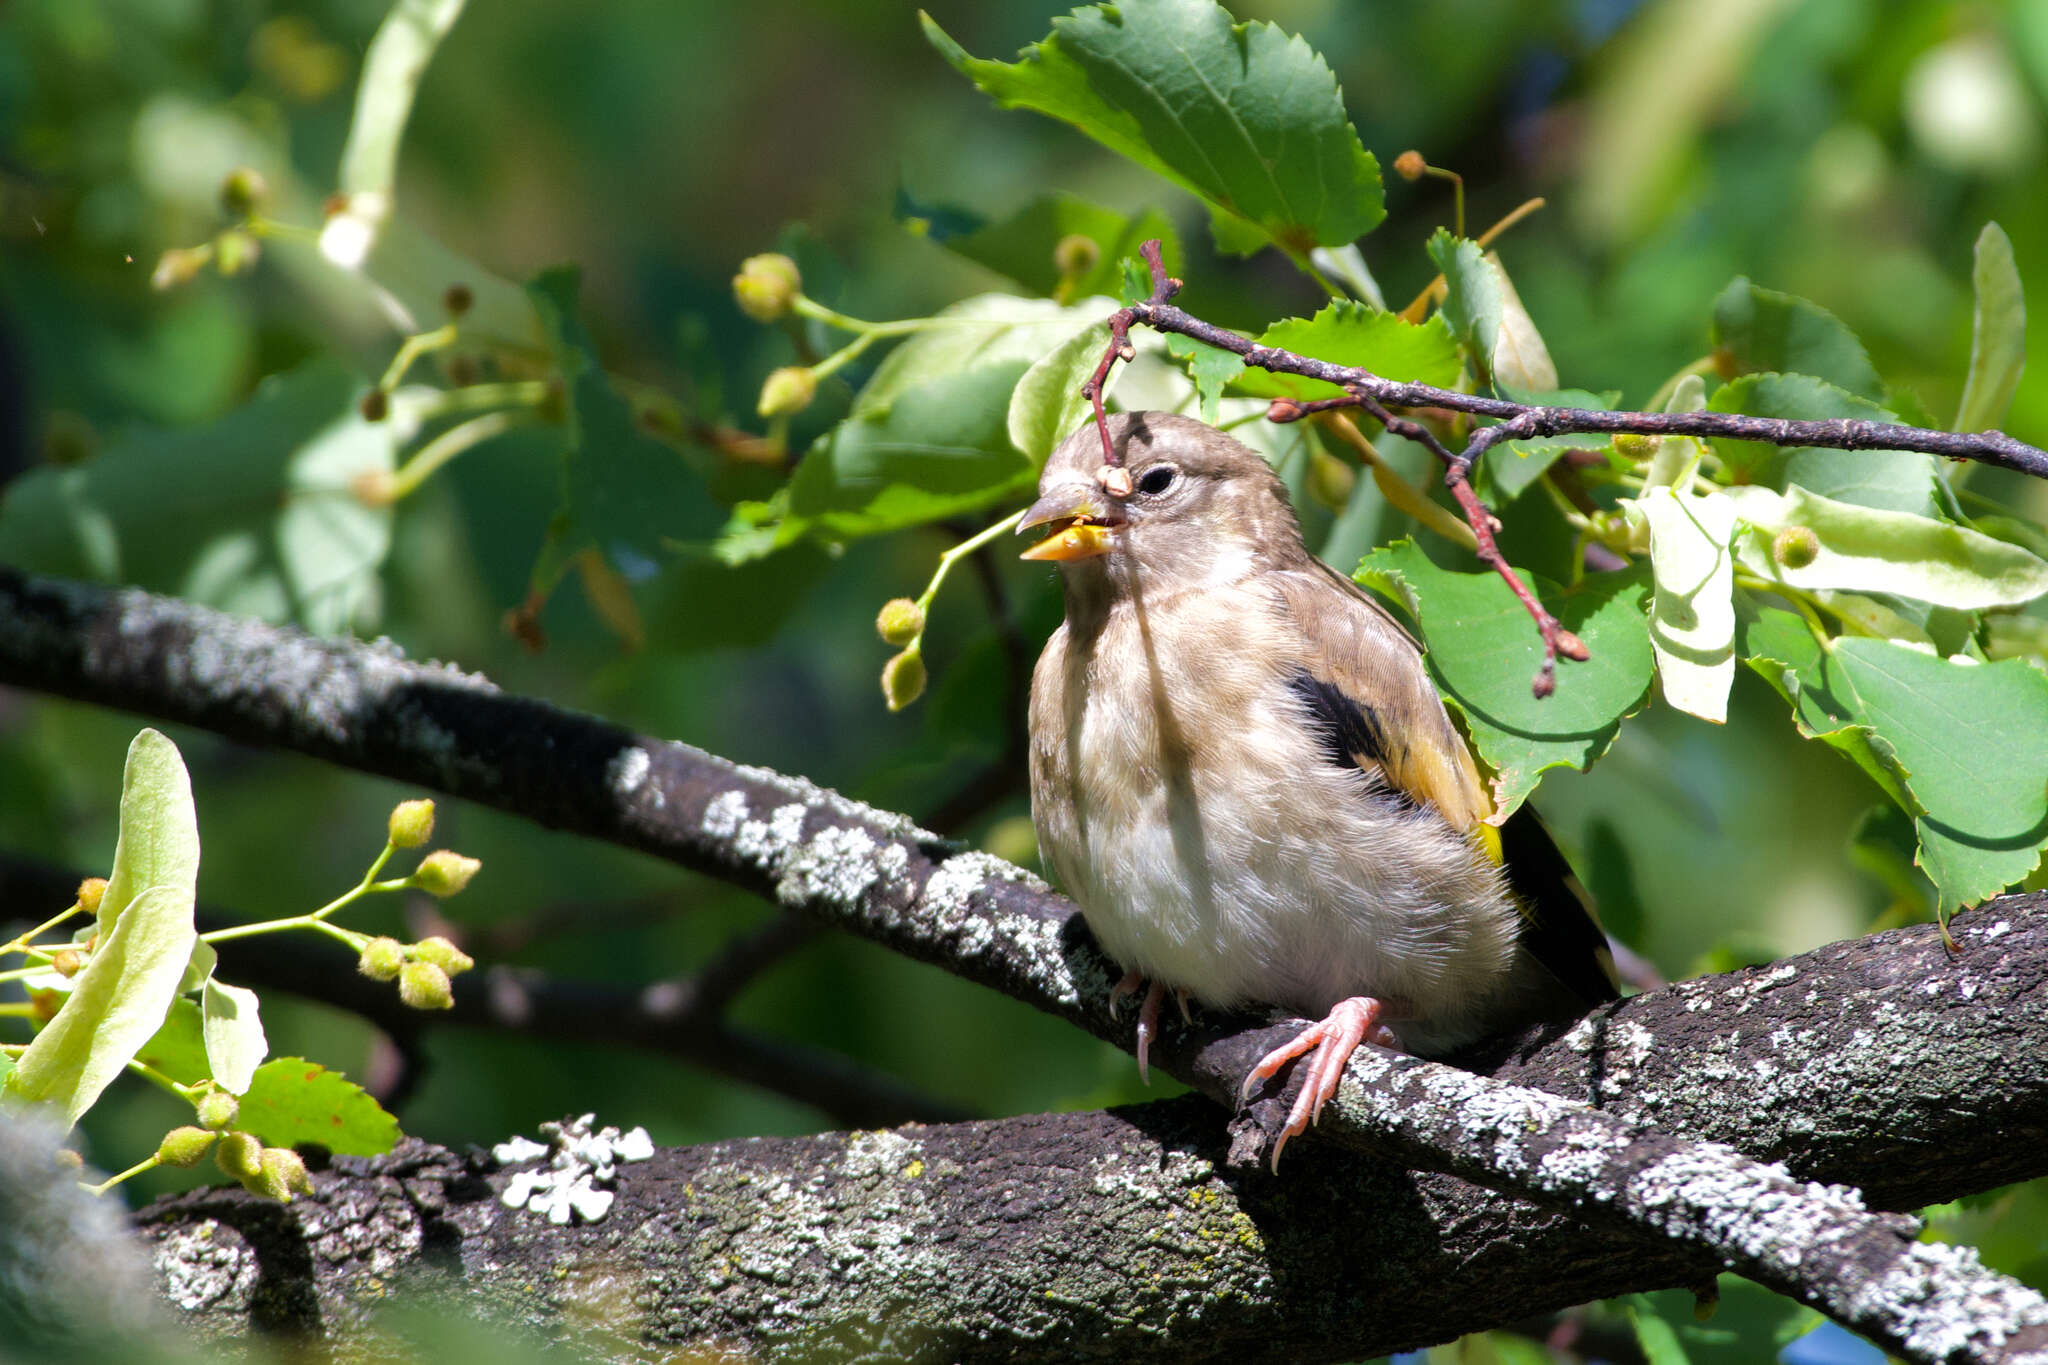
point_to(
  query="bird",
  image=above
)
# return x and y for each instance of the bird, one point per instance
(1242, 773)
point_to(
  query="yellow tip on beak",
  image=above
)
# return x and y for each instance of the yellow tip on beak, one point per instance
(1076, 542)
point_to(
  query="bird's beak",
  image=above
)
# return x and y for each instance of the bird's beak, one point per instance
(1086, 533)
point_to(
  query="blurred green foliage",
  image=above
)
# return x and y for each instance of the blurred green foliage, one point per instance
(1844, 151)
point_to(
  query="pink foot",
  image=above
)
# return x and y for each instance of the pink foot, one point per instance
(1148, 1015)
(1332, 1042)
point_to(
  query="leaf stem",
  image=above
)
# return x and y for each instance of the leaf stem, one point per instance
(188, 1093)
(148, 1163)
(450, 443)
(959, 552)
(22, 940)
(412, 348)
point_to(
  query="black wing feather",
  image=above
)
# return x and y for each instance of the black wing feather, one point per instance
(1558, 928)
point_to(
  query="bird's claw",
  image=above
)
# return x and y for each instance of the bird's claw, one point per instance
(1331, 1041)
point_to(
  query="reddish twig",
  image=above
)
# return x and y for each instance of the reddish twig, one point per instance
(1164, 287)
(1521, 421)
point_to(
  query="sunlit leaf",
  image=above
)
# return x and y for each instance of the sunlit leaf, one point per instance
(291, 1100)
(1483, 651)
(1868, 549)
(1998, 338)
(1692, 612)
(1357, 334)
(1047, 402)
(1209, 368)
(1241, 115)
(158, 844)
(232, 1026)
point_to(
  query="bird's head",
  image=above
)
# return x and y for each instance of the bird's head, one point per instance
(1187, 506)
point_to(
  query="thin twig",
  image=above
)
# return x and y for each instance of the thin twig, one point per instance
(1521, 421)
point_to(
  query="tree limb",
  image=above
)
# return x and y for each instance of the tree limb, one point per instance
(876, 875)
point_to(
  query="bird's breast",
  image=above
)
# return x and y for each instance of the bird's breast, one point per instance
(1185, 801)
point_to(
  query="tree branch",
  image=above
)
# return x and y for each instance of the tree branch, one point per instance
(876, 875)
(1517, 421)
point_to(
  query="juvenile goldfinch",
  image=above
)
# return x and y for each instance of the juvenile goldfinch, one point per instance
(1241, 772)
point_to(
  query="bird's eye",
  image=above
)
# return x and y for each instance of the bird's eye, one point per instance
(1157, 479)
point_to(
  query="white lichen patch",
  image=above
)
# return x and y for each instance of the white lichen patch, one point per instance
(1148, 1177)
(1581, 1161)
(202, 1265)
(1713, 1195)
(1940, 1299)
(837, 867)
(627, 773)
(724, 814)
(582, 1167)
(1998, 930)
(807, 793)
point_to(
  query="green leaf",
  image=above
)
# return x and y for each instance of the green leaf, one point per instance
(1998, 335)
(158, 843)
(233, 1029)
(624, 492)
(985, 331)
(178, 1049)
(1657, 1338)
(1473, 306)
(1519, 362)
(1904, 481)
(1866, 549)
(1983, 823)
(253, 513)
(1209, 368)
(291, 1100)
(1921, 725)
(1022, 245)
(937, 450)
(1763, 330)
(1346, 333)
(1692, 612)
(1047, 402)
(1483, 651)
(117, 1005)
(1243, 116)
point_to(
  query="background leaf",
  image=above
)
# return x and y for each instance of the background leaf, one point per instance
(1244, 116)
(1022, 246)
(261, 518)
(1998, 334)
(1758, 329)
(1903, 481)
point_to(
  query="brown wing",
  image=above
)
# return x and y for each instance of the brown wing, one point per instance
(1368, 671)
(1364, 684)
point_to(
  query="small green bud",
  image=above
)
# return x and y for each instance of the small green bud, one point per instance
(239, 1155)
(1410, 165)
(235, 251)
(68, 1159)
(1076, 254)
(243, 191)
(903, 679)
(1330, 480)
(381, 958)
(284, 1171)
(442, 873)
(184, 1146)
(901, 621)
(374, 488)
(1795, 547)
(1635, 446)
(412, 823)
(90, 892)
(376, 405)
(66, 962)
(457, 299)
(218, 1109)
(766, 286)
(268, 1179)
(442, 954)
(424, 986)
(787, 391)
